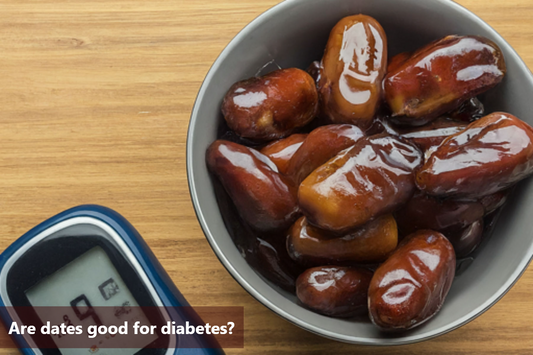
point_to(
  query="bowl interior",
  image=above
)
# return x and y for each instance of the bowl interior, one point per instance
(294, 33)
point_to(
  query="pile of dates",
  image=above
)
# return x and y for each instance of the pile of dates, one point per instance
(358, 183)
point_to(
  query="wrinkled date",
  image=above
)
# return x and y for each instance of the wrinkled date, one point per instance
(440, 76)
(260, 193)
(372, 178)
(371, 243)
(427, 212)
(491, 154)
(334, 291)
(353, 66)
(410, 287)
(271, 106)
(321, 145)
(281, 151)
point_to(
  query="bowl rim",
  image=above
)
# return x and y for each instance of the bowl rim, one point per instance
(393, 341)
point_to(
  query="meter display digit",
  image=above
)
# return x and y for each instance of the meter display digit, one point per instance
(89, 281)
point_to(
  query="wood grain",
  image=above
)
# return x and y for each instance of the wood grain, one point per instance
(96, 97)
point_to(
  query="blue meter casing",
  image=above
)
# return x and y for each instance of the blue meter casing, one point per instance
(70, 246)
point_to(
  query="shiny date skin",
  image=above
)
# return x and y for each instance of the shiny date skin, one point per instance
(322, 144)
(334, 291)
(353, 66)
(465, 239)
(432, 134)
(411, 285)
(262, 197)
(372, 243)
(372, 178)
(281, 151)
(272, 106)
(424, 137)
(490, 155)
(427, 212)
(440, 76)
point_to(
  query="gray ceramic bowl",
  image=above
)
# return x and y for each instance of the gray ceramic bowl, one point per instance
(294, 33)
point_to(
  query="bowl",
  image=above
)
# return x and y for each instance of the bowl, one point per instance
(294, 33)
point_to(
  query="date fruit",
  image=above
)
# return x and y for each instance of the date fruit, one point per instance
(410, 287)
(281, 151)
(495, 201)
(432, 134)
(427, 212)
(334, 291)
(265, 253)
(440, 76)
(272, 106)
(469, 111)
(315, 70)
(372, 178)
(272, 261)
(372, 243)
(465, 239)
(490, 155)
(262, 197)
(353, 67)
(321, 145)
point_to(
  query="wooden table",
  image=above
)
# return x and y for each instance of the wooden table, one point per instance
(96, 97)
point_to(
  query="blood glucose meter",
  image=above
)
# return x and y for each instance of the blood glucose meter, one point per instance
(84, 258)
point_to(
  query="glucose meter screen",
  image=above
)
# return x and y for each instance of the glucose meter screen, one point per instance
(89, 281)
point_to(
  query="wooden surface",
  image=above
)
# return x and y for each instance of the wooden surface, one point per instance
(96, 97)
